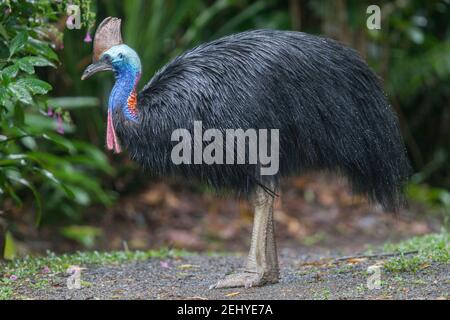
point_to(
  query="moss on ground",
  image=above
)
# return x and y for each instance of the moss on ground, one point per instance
(34, 271)
(38, 273)
(419, 252)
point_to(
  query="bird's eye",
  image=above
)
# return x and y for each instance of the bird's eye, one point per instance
(120, 55)
(107, 58)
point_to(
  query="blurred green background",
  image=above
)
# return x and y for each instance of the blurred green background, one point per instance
(53, 167)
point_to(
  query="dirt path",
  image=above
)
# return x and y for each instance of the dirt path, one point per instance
(302, 277)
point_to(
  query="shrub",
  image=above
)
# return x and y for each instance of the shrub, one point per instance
(40, 167)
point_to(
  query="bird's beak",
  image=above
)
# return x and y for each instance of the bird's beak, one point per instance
(94, 68)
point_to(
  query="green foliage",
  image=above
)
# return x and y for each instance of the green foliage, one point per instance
(434, 199)
(58, 172)
(37, 270)
(10, 247)
(29, 266)
(417, 75)
(85, 235)
(6, 292)
(430, 248)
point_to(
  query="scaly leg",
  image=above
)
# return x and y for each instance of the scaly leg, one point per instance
(262, 262)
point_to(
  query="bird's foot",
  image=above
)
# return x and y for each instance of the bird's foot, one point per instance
(246, 279)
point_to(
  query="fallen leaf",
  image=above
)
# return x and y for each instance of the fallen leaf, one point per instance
(187, 266)
(318, 263)
(171, 200)
(327, 198)
(196, 298)
(232, 294)
(155, 196)
(424, 266)
(356, 260)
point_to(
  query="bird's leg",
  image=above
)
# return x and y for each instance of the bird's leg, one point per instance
(262, 262)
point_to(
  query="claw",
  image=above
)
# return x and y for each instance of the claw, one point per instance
(244, 279)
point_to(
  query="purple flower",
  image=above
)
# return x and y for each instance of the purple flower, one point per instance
(13, 277)
(46, 269)
(59, 120)
(87, 38)
(164, 264)
(50, 112)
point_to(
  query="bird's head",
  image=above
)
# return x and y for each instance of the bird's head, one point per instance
(119, 59)
(111, 54)
(109, 51)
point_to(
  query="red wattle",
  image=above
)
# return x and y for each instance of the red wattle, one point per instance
(111, 139)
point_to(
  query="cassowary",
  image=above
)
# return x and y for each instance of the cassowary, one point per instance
(327, 105)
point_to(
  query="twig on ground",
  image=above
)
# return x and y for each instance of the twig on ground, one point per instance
(377, 255)
(362, 256)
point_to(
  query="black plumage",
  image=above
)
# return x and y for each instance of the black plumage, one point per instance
(329, 107)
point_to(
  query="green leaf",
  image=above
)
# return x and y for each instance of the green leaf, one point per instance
(10, 71)
(36, 195)
(50, 176)
(13, 194)
(18, 115)
(39, 61)
(61, 141)
(3, 95)
(416, 35)
(36, 86)
(42, 48)
(85, 235)
(3, 32)
(9, 162)
(21, 93)
(10, 247)
(18, 42)
(44, 123)
(74, 102)
(25, 66)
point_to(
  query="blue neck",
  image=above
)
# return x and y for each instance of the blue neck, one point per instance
(126, 82)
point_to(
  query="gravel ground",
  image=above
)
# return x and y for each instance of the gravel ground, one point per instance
(302, 277)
